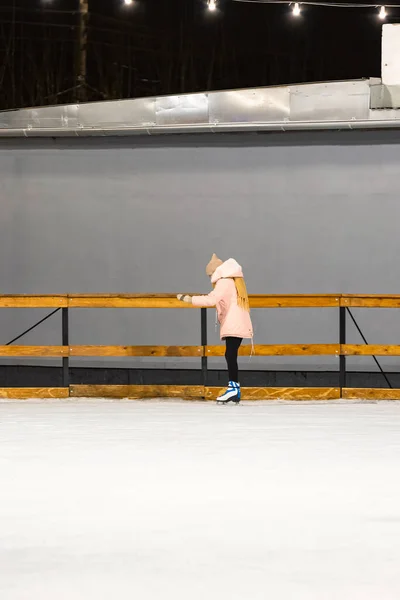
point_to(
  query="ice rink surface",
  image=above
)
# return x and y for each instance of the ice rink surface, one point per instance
(159, 500)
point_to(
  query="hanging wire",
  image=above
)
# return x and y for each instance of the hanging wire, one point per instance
(316, 3)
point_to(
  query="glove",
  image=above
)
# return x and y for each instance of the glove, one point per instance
(184, 298)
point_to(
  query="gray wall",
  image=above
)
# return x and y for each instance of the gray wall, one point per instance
(303, 213)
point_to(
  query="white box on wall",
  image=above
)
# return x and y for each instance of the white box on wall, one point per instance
(391, 54)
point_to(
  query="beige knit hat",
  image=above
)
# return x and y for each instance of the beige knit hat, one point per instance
(213, 265)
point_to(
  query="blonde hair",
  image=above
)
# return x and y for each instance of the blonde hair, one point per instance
(242, 295)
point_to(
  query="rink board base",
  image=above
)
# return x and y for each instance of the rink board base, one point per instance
(142, 392)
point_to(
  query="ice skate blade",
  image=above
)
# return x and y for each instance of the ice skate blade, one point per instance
(237, 402)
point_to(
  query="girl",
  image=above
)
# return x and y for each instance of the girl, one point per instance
(232, 303)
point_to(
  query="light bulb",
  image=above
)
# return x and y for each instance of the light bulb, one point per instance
(212, 5)
(296, 10)
(128, 2)
(382, 13)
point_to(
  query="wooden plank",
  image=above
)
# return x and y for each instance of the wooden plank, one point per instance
(164, 351)
(142, 295)
(27, 393)
(369, 350)
(137, 391)
(33, 301)
(160, 301)
(170, 301)
(126, 302)
(280, 350)
(371, 394)
(292, 393)
(36, 351)
(295, 301)
(371, 301)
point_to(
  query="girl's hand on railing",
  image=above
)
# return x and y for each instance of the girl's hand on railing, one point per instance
(184, 298)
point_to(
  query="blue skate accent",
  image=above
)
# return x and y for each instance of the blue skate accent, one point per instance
(232, 394)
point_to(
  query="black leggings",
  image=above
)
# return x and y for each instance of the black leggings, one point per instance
(231, 355)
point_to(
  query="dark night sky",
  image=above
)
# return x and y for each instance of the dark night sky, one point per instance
(175, 46)
(347, 41)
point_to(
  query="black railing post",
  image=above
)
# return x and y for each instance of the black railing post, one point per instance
(65, 342)
(342, 340)
(348, 311)
(204, 360)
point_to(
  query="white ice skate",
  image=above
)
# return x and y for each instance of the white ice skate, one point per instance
(232, 394)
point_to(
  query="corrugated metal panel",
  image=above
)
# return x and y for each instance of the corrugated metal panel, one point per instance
(335, 101)
(334, 105)
(121, 113)
(249, 106)
(181, 110)
(383, 116)
(385, 96)
(47, 117)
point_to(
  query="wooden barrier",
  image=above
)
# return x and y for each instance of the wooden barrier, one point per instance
(370, 394)
(37, 351)
(289, 393)
(370, 301)
(170, 301)
(36, 392)
(280, 350)
(33, 301)
(174, 351)
(340, 302)
(369, 350)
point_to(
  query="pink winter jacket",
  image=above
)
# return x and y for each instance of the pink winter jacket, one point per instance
(234, 321)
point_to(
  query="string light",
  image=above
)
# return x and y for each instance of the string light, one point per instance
(296, 9)
(382, 13)
(324, 3)
(212, 5)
